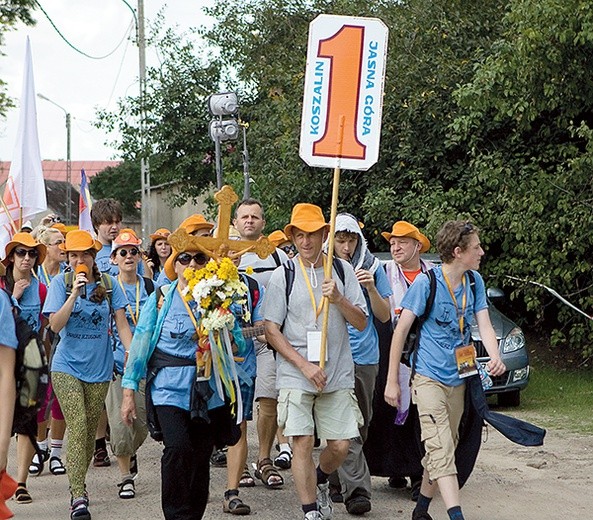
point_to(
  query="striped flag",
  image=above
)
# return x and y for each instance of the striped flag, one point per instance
(24, 192)
(84, 205)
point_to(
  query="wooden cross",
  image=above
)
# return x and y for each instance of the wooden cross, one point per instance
(221, 245)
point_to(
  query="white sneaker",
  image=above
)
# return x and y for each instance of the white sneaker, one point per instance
(324, 501)
(313, 515)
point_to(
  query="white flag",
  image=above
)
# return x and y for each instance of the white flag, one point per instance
(24, 193)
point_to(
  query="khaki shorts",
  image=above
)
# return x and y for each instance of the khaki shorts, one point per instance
(125, 440)
(335, 415)
(440, 408)
(265, 383)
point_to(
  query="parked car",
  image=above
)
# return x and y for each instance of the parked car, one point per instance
(511, 343)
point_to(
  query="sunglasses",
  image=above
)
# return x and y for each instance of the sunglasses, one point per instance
(57, 243)
(21, 253)
(289, 249)
(467, 229)
(186, 258)
(125, 252)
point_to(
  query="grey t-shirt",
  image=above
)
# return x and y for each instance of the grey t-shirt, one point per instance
(299, 317)
(262, 269)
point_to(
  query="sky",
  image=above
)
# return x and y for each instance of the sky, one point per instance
(79, 84)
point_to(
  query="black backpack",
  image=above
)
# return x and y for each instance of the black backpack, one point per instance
(31, 374)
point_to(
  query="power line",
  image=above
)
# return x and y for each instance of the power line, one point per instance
(77, 49)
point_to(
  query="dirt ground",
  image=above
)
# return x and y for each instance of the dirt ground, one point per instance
(509, 483)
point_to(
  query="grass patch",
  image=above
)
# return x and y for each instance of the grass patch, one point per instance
(559, 399)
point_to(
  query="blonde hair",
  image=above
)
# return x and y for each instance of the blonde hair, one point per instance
(45, 236)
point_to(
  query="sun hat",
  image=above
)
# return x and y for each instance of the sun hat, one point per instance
(194, 222)
(61, 227)
(278, 237)
(27, 240)
(80, 240)
(160, 234)
(405, 229)
(306, 217)
(126, 237)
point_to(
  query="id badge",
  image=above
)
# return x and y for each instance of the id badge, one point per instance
(314, 346)
(465, 356)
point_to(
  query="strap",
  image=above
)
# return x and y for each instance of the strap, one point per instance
(289, 268)
(148, 285)
(253, 287)
(276, 258)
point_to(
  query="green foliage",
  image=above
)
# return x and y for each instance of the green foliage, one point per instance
(121, 182)
(172, 130)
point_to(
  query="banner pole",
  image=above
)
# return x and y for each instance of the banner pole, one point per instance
(8, 215)
(330, 247)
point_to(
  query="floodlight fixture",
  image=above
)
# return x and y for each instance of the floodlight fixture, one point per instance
(223, 104)
(224, 130)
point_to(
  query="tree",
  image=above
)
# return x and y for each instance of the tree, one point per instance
(12, 12)
(120, 182)
(170, 126)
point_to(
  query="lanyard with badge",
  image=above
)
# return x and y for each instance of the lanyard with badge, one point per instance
(465, 355)
(313, 333)
(133, 313)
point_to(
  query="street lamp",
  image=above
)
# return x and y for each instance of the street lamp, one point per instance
(224, 126)
(68, 161)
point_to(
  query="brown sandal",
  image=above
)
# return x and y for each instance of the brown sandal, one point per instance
(246, 478)
(268, 474)
(235, 506)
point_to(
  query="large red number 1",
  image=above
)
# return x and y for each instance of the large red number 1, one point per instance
(344, 49)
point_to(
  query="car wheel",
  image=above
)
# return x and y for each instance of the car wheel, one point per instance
(508, 399)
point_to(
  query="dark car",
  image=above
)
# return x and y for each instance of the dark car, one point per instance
(511, 343)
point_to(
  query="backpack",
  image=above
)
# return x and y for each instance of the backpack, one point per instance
(413, 338)
(31, 373)
(106, 281)
(289, 268)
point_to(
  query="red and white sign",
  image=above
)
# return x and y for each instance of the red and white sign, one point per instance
(344, 79)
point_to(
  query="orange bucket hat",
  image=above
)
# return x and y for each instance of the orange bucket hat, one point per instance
(80, 240)
(27, 240)
(405, 229)
(194, 222)
(160, 234)
(306, 217)
(278, 237)
(60, 227)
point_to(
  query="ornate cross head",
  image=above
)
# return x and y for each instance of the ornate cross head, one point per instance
(221, 245)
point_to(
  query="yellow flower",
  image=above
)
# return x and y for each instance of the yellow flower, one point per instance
(206, 302)
(227, 303)
(249, 270)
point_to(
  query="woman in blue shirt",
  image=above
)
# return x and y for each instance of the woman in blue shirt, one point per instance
(22, 257)
(168, 325)
(81, 310)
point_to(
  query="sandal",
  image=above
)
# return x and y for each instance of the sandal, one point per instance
(56, 466)
(284, 458)
(37, 464)
(246, 478)
(235, 506)
(22, 496)
(127, 488)
(268, 474)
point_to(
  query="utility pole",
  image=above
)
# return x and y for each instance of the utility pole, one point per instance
(144, 166)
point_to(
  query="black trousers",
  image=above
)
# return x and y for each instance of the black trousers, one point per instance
(185, 464)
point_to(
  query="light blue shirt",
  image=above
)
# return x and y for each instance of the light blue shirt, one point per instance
(440, 334)
(131, 304)
(7, 326)
(85, 349)
(30, 305)
(365, 344)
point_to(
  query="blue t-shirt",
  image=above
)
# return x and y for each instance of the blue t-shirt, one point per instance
(85, 349)
(365, 344)
(172, 385)
(30, 305)
(45, 277)
(7, 327)
(131, 304)
(440, 334)
(161, 280)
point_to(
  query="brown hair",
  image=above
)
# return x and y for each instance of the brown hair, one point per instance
(454, 233)
(106, 211)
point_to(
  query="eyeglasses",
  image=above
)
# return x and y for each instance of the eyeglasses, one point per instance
(21, 253)
(467, 228)
(289, 249)
(124, 252)
(186, 258)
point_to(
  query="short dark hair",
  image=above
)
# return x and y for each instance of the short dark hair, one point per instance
(250, 202)
(454, 233)
(106, 211)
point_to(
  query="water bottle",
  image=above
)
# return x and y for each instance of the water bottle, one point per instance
(484, 377)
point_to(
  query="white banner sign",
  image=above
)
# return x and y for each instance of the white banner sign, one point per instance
(343, 82)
